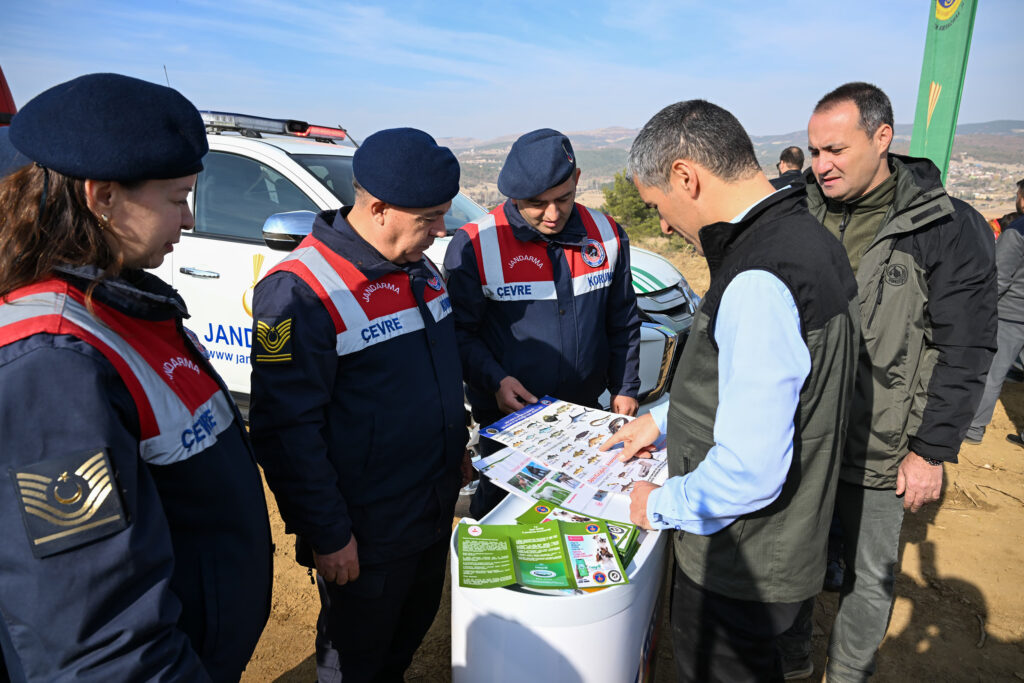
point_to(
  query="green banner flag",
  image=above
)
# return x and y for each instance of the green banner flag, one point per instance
(950, 24)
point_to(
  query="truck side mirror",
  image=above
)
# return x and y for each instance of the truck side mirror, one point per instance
(284, 231)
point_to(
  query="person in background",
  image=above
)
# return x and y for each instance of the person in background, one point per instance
(790, 168)
(357, 406)
(926, 280)
(136, 540)
(759, 401)
(1001, 223)
(1010, 333)
(543, 296)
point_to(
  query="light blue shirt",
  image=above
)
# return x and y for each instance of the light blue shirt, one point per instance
(762, 364)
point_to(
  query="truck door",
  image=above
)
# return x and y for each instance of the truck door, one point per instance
(216, 266)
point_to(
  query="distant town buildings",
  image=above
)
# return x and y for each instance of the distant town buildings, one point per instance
(989, 187)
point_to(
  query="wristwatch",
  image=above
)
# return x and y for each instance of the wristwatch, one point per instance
(932, 461)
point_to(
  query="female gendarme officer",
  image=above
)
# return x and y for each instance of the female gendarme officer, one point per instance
(135, 536)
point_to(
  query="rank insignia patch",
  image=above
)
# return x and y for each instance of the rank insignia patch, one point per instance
(68, 502)
(273, 343)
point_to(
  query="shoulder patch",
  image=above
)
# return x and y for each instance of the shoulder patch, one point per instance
(67, 502)
(273, 342)
(896, 274)
(593, 253)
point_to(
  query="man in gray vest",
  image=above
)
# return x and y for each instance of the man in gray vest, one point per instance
(759, 402)
(926, 278)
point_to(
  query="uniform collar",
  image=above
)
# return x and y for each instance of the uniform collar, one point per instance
(133, 292)
(333, 229)
(574, 234)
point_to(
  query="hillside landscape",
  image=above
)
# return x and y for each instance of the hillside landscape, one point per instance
(987, 161)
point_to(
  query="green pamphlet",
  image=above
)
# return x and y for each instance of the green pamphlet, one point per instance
(624, 536)
(555, 555)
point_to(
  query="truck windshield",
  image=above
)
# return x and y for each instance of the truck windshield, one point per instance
(335, 172)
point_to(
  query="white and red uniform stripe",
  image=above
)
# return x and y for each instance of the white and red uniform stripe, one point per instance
(365, 312)
(513, 270)
(181, 408)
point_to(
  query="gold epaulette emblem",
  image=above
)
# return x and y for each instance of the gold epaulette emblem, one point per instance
(273, 341)
(68, 502)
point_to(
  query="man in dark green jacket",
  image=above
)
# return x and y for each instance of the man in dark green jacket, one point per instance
(926, 284)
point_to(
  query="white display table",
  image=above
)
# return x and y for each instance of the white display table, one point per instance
(518, 635)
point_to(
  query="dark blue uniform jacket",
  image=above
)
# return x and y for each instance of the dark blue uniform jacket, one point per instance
(181, 593)
(572, 348)
(366, 443)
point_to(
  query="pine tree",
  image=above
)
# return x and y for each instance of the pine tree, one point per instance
(623, 203)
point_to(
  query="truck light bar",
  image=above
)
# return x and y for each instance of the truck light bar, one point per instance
(218, 120)
(323, 132)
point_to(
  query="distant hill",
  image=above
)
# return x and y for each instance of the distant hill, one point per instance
(999, 142)
(602, 152)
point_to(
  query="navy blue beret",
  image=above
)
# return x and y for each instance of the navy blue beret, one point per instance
(406, 167)
(10, 158)
(112, 127)
(538, 161)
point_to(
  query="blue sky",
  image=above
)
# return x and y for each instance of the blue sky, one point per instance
(487, 68)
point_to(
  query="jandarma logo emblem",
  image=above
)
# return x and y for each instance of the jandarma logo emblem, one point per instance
(516, 260)
(179, 362)
(593, 253)
(376, 287)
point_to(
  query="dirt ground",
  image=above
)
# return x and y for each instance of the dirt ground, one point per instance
(959, 610)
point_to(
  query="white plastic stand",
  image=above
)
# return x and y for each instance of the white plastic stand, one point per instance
(512, 635)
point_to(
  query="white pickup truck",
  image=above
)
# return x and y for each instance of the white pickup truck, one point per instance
(259, 168)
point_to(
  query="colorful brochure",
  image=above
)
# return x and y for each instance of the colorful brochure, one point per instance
(626, 537)
(552, 454)
(556, 555)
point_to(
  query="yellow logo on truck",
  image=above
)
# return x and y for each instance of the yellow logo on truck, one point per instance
(257, 267)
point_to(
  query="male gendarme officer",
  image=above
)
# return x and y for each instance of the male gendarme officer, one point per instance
(542, 295)
(357, 406)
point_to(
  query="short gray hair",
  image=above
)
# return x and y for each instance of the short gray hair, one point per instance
(696, 130)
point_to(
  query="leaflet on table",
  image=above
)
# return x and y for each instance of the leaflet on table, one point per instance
(626, 537)
(523, 476)
(565, 437)
(556, 555)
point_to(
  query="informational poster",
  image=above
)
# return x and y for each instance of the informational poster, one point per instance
(552, 454)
